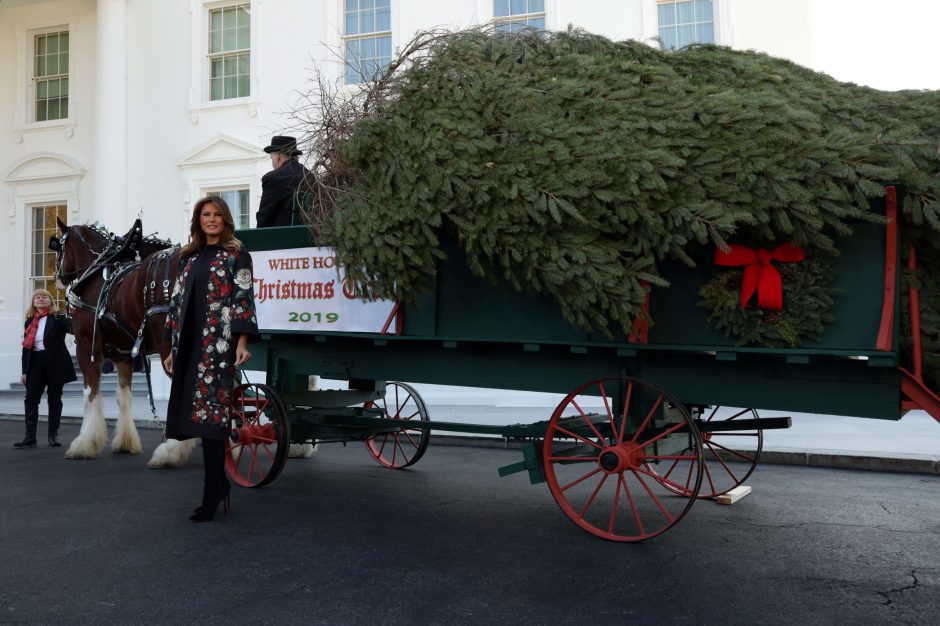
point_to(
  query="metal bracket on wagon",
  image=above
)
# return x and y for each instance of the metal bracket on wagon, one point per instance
(531, 462)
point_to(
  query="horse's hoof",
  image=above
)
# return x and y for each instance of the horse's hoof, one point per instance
(301, 450)
(82, 449)
(126, 447)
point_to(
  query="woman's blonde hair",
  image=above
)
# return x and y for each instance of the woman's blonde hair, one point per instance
(197, 238)
(31, 310)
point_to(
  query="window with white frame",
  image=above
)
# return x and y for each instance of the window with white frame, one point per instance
(51, 76)
(515, 15)
(684, 22)
(237, 200)
(230, 52)
(42, 261)
(367, 38)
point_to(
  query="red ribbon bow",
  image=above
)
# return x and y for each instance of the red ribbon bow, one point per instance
(760, 275)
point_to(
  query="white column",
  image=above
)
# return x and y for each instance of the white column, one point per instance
(109, 174)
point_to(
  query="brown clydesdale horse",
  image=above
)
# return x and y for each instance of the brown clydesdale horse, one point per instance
(118, 290)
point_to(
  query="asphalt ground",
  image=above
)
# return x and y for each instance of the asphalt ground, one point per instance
(336, 539)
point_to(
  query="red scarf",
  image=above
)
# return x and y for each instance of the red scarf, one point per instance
(30, 339)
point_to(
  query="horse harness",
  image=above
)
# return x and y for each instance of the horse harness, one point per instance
(116, 262)
(155, 265)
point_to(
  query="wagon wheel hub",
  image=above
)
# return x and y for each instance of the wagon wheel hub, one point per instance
(619, 458)
(252, 433)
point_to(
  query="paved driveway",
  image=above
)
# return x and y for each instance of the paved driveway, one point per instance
(338, 540)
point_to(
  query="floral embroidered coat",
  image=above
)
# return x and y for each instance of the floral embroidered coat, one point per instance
(212, 304)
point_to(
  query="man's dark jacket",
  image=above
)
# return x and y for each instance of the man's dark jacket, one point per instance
(277, 194)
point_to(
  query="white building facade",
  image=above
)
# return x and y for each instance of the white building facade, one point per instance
(114, 108)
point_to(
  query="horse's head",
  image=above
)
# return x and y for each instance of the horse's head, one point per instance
(76, 249)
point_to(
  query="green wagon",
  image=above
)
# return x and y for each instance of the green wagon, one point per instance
(640, 434)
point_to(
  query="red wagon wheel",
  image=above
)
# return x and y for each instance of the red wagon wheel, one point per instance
(406, 445)
(595, 454)
(257, 448)
(725, 465)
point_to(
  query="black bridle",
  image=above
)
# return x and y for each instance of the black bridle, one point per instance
(58, 244)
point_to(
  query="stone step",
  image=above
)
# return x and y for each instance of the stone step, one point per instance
(109, 384)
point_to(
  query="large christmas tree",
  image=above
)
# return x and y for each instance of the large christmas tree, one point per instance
(569, 164)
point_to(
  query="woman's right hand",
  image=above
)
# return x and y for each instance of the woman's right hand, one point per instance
(168, 363)
(23, 379)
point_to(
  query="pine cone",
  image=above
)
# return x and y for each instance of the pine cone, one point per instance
(787, 271)
(733, 283)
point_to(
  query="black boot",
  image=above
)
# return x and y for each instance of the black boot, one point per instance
(55, 417)
(215, 487)
(32, 418)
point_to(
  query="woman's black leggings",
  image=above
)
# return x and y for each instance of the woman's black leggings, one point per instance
(213, 459)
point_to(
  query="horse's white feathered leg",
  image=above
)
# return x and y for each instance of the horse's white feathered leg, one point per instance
(171, 453)
(126, 438)
(94, 432)
(302, 450)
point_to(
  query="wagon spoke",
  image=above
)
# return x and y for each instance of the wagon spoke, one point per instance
(688, 479)
(263, 439)
(636, 514)
(610, 414)
(652, 495)
(712, 414)
(659, 479)
(623, 420)
(593, 495)
(588, 421)
(401, 448)
(613, 509)
(730, 451)
(671, 467)
(268, 451)
(722, 461)
(579, 437)
(402, 406)
(253, 457)
(384, 441)
(668, 431)
(262, 409)
(646, 421)
(580, 480)
(739, 414)
(408, 435)
(708, 475)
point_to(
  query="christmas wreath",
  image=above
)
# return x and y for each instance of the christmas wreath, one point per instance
(792, 301)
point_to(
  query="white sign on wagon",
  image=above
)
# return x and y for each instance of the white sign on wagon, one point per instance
(303, 289)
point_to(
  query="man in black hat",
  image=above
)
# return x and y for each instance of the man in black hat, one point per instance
(278, 187)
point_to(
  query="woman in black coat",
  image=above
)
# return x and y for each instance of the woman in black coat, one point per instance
(210, 320)
(47, 365)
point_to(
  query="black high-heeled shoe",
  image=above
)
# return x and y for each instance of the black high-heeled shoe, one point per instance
(206, 513)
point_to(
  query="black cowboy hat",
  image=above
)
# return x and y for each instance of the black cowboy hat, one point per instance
(284, 145)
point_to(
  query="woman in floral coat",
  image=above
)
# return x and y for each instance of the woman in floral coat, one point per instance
(210, 322)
